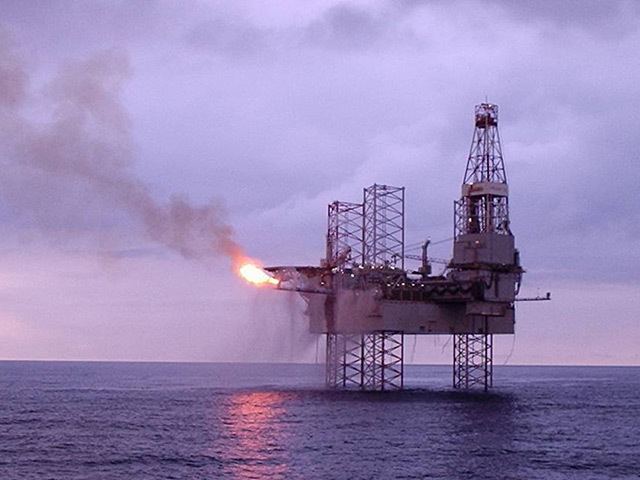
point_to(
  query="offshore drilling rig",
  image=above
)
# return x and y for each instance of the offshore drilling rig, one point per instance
(365, 302)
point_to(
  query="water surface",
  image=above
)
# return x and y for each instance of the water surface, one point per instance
(77, 420)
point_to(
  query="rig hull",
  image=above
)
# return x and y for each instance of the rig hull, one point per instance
(359, 312)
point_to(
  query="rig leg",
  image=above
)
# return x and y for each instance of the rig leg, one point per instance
(344, 360)
(331, 361)
(472, 361)
(373, 361)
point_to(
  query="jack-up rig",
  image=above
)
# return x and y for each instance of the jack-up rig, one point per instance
(365, 302)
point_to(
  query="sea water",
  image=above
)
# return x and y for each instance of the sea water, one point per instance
(95, 420)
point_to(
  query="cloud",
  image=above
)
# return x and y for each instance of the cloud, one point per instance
(281, 110)
(234, 38)
(611, 20)
(345, 26)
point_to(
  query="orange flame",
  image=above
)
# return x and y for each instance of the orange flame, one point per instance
(256, 275)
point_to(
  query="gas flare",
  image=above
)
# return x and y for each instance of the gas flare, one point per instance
(256, 275)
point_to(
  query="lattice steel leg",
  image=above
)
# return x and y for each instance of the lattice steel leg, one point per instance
(472, 361)
(331, 364)
(385, 361)
(344, 360)
(373, 361)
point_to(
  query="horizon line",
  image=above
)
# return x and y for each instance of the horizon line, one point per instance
(223, 362)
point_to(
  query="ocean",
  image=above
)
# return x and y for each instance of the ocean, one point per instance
(86, 420)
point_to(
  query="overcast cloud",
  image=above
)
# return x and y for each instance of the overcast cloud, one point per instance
(266, 112)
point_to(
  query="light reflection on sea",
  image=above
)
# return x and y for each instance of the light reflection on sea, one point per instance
(256, 438)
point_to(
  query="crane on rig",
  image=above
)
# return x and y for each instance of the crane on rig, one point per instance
(425, 260)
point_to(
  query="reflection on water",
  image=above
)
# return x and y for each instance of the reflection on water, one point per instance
(254, 430)
(483, 426)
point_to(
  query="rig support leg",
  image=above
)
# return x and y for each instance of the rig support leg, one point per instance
(372, 361)
(472, 361)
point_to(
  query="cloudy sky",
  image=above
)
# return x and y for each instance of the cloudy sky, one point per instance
(130, 128)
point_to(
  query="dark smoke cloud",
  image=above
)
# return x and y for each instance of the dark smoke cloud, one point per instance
(67, 167)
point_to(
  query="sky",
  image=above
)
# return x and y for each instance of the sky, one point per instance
(131, 131)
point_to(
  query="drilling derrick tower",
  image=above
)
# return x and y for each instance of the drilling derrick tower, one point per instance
(365, 302)
(484, 251)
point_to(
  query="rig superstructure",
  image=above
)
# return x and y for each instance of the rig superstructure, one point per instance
(364, 301)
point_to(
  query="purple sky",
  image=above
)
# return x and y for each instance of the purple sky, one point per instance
(115, 115)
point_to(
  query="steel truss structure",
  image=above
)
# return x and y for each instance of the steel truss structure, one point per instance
(344, 233)
(370, 361)
(481, 214)
(473, 361)
(485, 163)
(484, 206)
(369, 233)
(383, 241)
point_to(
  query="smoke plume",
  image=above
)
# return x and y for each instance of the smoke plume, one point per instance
(66, 157)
